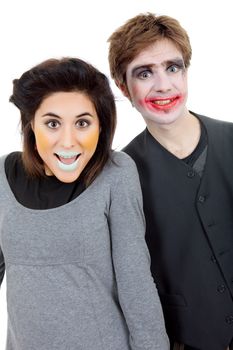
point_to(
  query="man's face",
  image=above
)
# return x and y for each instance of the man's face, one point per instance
(157, 83)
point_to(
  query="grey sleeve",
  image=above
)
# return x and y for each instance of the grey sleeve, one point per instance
(137, 292)
(2, 266)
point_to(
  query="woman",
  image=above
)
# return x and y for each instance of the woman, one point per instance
(71, 221)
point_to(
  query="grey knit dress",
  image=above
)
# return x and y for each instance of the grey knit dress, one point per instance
(78, 276)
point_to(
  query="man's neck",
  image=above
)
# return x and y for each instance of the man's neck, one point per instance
(179, 138)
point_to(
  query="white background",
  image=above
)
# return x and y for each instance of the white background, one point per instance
(33, 30)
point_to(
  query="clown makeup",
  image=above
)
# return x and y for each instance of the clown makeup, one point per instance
(157, 83)
(66, 128)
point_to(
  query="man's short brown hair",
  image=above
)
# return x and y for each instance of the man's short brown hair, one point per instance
(137, 34)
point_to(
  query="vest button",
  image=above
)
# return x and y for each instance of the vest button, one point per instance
(201, 199)
(229, 319)
(221, 288)
(191, 173)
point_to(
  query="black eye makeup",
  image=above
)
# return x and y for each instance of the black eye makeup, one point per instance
(52, 123)
(146, 73)
(175, 66)
(142, 72)
(82, 123)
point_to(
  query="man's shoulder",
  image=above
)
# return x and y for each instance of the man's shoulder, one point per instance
(219, 132)
(136, 144)
(213, 122)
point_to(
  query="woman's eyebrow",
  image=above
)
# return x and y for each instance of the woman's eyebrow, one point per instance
(51, 114)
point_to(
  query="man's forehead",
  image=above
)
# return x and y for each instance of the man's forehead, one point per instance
(158, 53)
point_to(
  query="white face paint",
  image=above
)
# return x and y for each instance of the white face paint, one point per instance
(157, 84)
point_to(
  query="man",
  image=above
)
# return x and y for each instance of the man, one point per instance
(185, 165)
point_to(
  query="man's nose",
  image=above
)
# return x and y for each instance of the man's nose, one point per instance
(162, 82)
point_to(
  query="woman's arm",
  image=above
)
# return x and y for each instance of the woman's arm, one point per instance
(136, 289)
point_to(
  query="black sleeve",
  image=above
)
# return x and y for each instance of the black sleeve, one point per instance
(2, 266)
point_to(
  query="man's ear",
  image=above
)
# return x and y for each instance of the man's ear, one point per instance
(123, 89)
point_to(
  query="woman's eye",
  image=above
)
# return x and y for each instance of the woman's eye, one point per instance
(145, 74)
(53, 124)
(82, 123)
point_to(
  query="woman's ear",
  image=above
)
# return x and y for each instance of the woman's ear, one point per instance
(32, 125)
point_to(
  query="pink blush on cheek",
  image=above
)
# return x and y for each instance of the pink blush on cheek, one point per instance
(135, 92)
(142, 103)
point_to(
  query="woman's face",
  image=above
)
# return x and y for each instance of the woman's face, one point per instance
(66, 128)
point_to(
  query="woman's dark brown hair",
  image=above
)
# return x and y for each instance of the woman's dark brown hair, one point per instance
(64, 75)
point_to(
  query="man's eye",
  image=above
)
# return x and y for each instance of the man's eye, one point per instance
(173, 69)
(145, 74)
(53, 124)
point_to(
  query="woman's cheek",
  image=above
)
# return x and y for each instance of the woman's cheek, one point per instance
(90, 141)
(42, 140)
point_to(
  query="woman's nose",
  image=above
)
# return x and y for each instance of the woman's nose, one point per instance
(68, 138)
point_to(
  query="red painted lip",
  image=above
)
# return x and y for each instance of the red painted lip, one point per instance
(161, 105)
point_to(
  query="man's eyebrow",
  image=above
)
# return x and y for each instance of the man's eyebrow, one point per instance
(141, 67)
(176, 60)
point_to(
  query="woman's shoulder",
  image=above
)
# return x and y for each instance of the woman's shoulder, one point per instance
(120, 167)
(11, 161)
(122, 159)
(13, 156)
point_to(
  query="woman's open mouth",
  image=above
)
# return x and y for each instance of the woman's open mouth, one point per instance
(67, 157)
(67, 161)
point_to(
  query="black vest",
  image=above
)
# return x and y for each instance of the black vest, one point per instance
(190, 235)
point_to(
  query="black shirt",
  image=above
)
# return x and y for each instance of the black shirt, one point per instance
(200, 148)
(38, 193)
